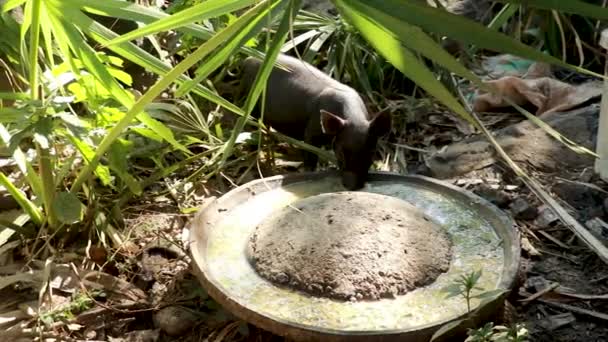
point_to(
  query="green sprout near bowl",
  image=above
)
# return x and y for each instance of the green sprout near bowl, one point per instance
(464, 286)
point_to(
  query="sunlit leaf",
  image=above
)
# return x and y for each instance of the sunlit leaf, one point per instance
(118, 164)
(457, 27)
(30, 208)
(416, 39)
(12, 115)
(22, 163)
(401, 58)
(11, 4)
(571, 6)
(199, 12)
(236, 36)
(262, 76)
(88, 153)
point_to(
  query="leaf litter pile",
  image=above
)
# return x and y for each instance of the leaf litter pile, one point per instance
(350, 246)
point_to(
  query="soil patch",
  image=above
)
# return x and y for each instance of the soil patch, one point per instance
(350, 246)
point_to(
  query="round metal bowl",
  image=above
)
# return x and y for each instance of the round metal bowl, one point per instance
(483, 238)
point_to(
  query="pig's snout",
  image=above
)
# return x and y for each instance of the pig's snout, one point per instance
(352, 181)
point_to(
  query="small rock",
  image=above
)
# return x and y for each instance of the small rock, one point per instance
(522, 209)
(98, 255)
(546, 217)
(598, 228)
(527, 247)
(586, 176)
(537, 283)
(138, 336)
(175, 320)
(496, 196)
(557, 321)
(581, 197)
(90, 334)
(282, 278)
(422, 170)
(7, 202)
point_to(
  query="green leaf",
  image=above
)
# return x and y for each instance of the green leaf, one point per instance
(34, 16)
(43, 131)
(93, 64)
(66, 167)
(475, 275)
(204, 50)
(158, 128)
(13, 96)
(69, 37)
(571, 6)
(236, 36)
(452, 290)
(460, 28)
(503, 16)
(22, 163)
(140, 57)
(45, 26)
(12, 115)
(316, 45)
(118, 9)
(416, 39)
(67, 208)
(400, 57)
(88, 154)
(200, 12)
(118, 164)
(148, 133)
(30, 208)
(260, 81)
(11, 4)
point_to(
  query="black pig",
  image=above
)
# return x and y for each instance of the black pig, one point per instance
(306, 104)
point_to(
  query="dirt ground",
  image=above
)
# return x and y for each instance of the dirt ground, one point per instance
(550, 256)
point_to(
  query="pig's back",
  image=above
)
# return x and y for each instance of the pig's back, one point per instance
(292, 96)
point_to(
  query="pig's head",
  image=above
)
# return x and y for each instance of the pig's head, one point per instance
(354, 144)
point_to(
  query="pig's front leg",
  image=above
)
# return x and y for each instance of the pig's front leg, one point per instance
(310, 159)
(314, 137)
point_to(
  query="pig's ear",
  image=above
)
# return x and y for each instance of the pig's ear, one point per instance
(331, 124)
(380, 124)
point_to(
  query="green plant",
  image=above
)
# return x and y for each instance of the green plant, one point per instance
(45, 118)
(483, 334)
(464, 286)
(499, 333)
(78, 303)
(336, 46)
